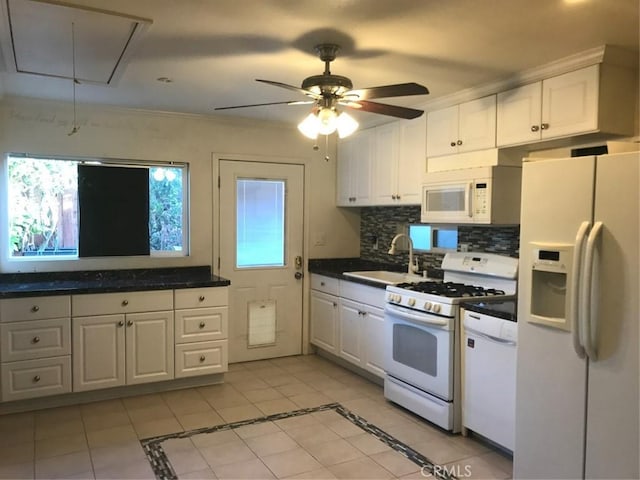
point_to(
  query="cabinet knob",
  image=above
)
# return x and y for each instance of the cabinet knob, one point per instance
(35, 308)
(129, 323)
(335, 304)
(35, 340)
(202, 325)
(459, 142)
(453, 144)
(322, 284)
(535, 128)
(36, 378)
(125, 303)
(544, 126)
(397, 197)
(121, 323)
(201, 298)
(202, 358)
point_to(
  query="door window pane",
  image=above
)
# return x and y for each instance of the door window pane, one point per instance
(260, 223)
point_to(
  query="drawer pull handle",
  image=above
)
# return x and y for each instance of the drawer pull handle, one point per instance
(121, 323)
(125, 303)
(129, 323)
(35, 340)
(202, 325)
(202, 358)
(35, 308)
(36, 378)
(201, 298)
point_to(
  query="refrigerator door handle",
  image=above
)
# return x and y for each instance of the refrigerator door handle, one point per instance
(589, 298)
(575, 288)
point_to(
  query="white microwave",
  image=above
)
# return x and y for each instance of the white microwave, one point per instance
(481, 195)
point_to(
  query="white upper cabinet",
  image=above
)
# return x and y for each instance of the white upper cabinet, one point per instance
(354, 171)
(462, 128)
(382, 165)
(588, 100)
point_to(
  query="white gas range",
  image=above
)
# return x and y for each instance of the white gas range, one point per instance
(422, 358)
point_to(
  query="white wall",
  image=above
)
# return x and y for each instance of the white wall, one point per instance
(42, 127)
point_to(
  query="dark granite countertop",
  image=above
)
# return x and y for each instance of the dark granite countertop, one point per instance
(504, 309)
(13, 285)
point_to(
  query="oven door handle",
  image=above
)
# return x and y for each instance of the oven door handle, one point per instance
(416, 318)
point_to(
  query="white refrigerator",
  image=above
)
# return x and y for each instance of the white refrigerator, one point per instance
(577, 386)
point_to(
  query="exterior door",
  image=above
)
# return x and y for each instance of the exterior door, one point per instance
(261, 252)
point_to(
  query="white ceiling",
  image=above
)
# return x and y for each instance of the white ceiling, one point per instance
(213, 50)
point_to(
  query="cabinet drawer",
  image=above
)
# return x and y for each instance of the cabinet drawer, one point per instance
(35, 339)
(325, 284)
(34, 308)
(36, 378)
(201, 324)
(201, 297)
(201, 358)
(362, 293)
(121, 302)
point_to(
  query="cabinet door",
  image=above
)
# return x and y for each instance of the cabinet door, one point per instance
(98, 352)
(442, 131)
(385, 169)
(351, 314)
(149, 347)
(570, 103)
(344, 196)
(477, 124)
(373, 340)
(518, 115)
(324, 321)
(361, 168)
(412, 160)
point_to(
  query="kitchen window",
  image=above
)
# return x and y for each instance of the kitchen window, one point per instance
(65, 208)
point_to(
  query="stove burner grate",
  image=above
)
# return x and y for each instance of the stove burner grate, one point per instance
(450, 289)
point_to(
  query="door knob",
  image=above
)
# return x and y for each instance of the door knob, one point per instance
(298, 275)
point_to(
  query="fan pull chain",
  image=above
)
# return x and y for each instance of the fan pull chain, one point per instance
(326, 148)
(73, 61)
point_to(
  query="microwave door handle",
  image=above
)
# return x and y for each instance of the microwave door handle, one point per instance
(468, 199)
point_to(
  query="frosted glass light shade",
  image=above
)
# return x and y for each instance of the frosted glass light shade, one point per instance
(327, 121)
(309, 126)
(346, 125)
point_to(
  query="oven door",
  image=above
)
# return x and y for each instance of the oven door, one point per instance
(420, 350)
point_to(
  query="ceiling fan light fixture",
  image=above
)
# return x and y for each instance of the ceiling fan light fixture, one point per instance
(346, 125)
(327, 121)
(309, 126)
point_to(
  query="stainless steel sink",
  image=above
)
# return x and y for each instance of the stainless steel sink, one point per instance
(384, 276)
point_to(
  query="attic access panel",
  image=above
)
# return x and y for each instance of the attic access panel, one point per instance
(38, 40)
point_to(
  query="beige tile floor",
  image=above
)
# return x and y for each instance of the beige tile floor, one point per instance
(101, 440)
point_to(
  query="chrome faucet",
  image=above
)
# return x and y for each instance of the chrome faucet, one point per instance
(392, 251)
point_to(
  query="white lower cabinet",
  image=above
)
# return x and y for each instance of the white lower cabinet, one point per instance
(118, 349)
(349, 321)
(201, 331)
(35, 347)
(324, 321)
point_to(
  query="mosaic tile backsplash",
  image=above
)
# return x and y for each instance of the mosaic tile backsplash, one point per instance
(378, 226)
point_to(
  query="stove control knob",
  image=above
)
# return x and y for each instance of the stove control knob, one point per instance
(390, 297)
(412, 302)
(398, 298)
(427, 306)
(436, 308)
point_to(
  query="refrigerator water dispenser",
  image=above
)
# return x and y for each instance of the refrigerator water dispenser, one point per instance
(551, 284)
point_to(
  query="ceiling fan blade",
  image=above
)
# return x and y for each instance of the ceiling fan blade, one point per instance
(308, 93)
(384, 109)
(292, 102)
(385, 91)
